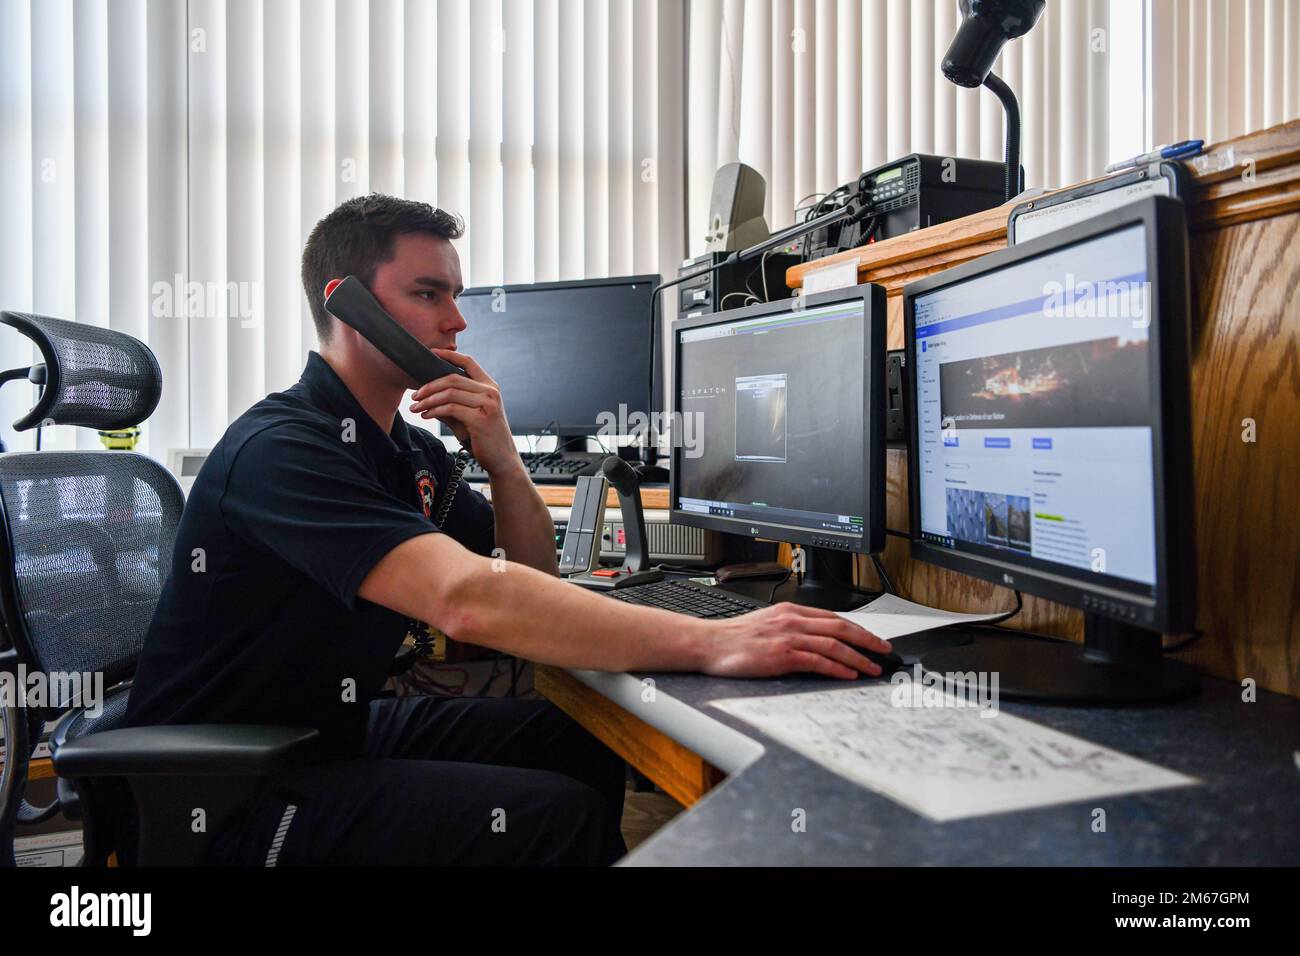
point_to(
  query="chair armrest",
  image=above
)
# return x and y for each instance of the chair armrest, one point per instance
(185, 750)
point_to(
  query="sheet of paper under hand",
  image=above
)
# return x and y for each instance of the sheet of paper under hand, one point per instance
(890, 616)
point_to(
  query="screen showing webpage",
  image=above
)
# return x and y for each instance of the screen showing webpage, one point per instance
(1034, 416)
(777, 403)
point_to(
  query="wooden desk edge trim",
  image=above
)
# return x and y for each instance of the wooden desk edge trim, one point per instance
(690, 752)
(41, 768)
(561, 496)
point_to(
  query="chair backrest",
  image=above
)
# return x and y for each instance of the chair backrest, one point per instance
(87, 547)
(85, 536)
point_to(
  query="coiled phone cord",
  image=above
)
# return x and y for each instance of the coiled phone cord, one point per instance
(422, 633)
(453, 485)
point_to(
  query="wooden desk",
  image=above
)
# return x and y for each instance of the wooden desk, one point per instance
(561, 496)
(39, 769)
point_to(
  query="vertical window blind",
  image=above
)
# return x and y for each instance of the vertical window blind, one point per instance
(813, 92)
(1221, 68)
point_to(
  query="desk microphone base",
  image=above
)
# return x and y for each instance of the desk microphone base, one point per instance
(624, 579)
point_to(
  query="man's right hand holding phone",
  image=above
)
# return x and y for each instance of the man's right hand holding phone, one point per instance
(472, 408)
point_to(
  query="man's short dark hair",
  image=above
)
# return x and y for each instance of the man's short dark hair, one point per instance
(358, 236)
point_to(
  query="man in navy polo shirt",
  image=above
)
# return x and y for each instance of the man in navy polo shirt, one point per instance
(308, 549)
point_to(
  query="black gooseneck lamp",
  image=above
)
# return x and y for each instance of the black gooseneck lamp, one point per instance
(986, 26)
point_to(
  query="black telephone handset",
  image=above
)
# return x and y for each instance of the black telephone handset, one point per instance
(352, 304)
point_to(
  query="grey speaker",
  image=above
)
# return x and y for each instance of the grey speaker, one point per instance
(736, 218)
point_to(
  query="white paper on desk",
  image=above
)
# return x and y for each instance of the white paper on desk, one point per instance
(949, 762)
(890, 616)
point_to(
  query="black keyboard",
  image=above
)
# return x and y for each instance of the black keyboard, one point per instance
(686, 597)
(549, 467)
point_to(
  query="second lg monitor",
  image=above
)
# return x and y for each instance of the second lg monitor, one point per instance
(780, 422)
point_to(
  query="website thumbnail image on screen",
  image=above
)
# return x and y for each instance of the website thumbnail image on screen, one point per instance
(1034, 420)
(776, 405)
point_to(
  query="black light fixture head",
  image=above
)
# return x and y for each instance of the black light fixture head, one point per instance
(986, 26)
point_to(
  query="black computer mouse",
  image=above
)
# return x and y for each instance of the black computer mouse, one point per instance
(889, 663)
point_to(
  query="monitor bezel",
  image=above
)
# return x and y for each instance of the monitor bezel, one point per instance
(872, 539)
(529, 426)
(1170, 608)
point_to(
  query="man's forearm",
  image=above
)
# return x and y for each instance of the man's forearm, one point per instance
(523, 612)
(530, 615)
(524, 529)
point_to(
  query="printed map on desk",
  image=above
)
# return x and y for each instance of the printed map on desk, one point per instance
(945, 763)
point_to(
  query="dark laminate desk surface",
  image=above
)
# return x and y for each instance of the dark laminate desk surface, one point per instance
(1246, 810)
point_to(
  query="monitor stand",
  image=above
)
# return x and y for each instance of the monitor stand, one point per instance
(827, 582)
(575, 446)
(1116, 664)
(572, 443)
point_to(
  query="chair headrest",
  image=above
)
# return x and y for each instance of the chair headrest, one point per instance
(95, 377)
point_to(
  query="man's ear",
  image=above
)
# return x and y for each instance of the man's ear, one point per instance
(331, 286)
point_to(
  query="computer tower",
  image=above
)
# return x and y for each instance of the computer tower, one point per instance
(732, 286)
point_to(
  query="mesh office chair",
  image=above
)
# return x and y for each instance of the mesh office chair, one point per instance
(85, 549)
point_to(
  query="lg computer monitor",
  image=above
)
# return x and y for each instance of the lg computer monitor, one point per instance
(778, 428)
(563, 353)
(1049, 419)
